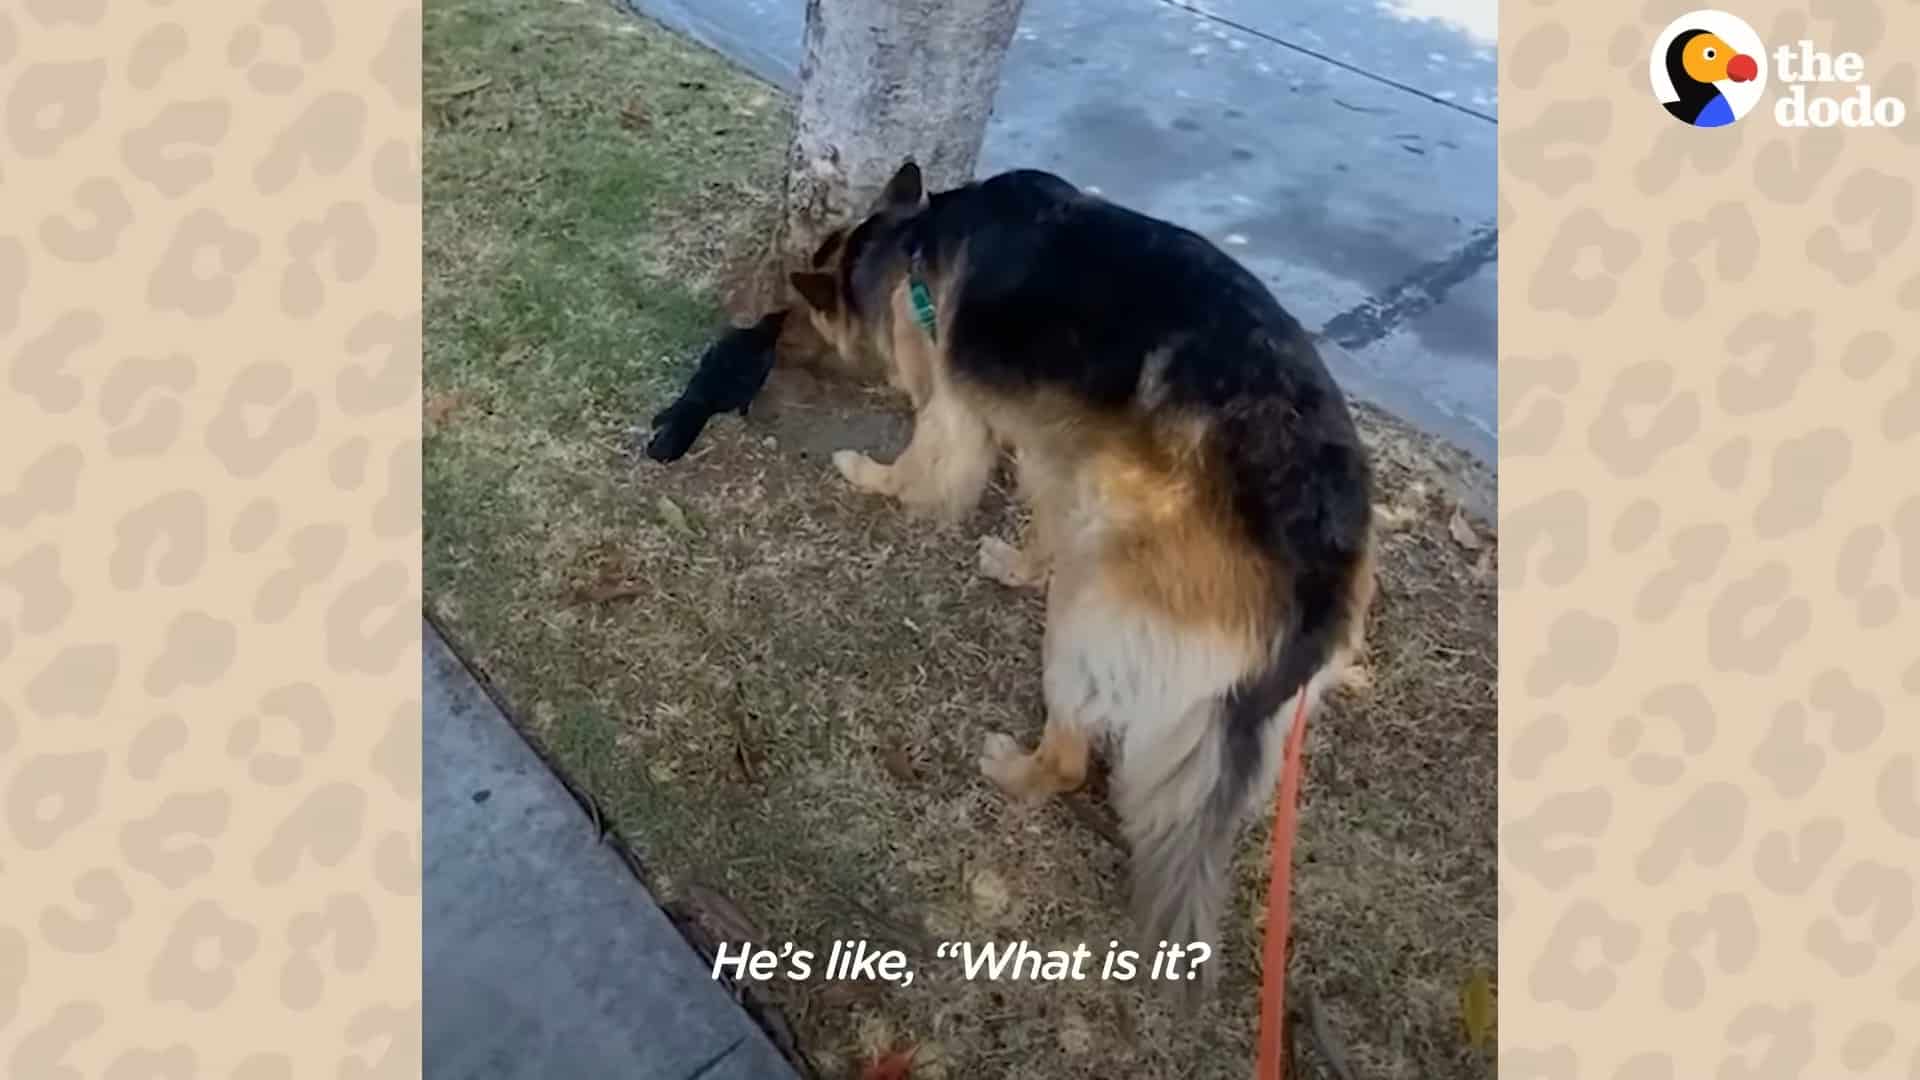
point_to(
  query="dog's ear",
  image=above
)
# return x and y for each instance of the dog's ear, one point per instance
(905, 191)
(818, 290)
(828, 246)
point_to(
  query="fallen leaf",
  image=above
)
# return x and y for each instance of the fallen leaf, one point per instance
(460, 89)
(991, 898)
(1084, 811)
(671, 513)
(1462, 532)
(1388, 518)
(840, 996)
(899, 765)
(897, 1065)
(1123, 1023)
(606, 591)
(907, 937)
(439, 406)
(1320, 1027)
(1477, 1008)
(745, 756)
(1483, 569)
(725, 918)
(599, 823)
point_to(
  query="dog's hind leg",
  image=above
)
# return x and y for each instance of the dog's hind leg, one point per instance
(1351, 659)
(1058, 765)
(1014, 567)
(1074, 691)
(944, 469)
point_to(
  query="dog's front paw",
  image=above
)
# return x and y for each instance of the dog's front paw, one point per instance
(1006, 564)
(851, 463)
(860, 470)
(1003, 762)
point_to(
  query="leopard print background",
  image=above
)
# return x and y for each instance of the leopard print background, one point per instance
(209, 568)
(209, 540)
(1710, 580)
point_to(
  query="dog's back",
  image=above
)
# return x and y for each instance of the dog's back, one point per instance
(1139, 346)
(1150, 328)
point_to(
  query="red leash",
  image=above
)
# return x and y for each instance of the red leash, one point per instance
(1272, 1063)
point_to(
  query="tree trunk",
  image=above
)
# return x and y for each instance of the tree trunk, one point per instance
(883, 81)
(886, 81)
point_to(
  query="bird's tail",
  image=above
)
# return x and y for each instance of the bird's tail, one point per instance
(675, 428)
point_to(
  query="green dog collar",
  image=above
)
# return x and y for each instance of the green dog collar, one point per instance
(918, 292)
(923, 312)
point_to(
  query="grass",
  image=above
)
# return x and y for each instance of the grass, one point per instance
(775, 689)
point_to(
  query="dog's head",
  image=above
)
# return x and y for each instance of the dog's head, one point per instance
(848, 287)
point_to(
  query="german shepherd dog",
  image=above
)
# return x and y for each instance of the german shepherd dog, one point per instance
(1201, 512)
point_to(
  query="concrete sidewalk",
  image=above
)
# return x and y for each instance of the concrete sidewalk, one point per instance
(544, 957)
(1344, 150)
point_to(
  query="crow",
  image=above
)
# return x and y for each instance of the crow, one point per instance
(731, 372)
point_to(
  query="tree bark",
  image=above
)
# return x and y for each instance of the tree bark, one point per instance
(883, 81)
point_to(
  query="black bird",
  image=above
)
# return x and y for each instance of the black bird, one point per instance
(731, 372)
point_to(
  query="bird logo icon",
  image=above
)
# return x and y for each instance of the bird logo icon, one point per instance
(1708, 69)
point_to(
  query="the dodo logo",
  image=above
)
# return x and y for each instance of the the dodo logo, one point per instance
(1708, 68)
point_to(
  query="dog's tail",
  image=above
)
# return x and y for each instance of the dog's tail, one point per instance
(676, 427)
(1183, 789)
(1179, 806)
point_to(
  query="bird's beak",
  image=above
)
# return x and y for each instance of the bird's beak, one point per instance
(1742, 68)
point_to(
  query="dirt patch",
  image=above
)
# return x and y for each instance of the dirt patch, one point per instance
(810, 417)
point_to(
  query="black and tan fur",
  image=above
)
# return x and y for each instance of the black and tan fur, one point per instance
(1201, 513)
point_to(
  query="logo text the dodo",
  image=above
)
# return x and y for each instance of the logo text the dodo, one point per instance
(1808, 72)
